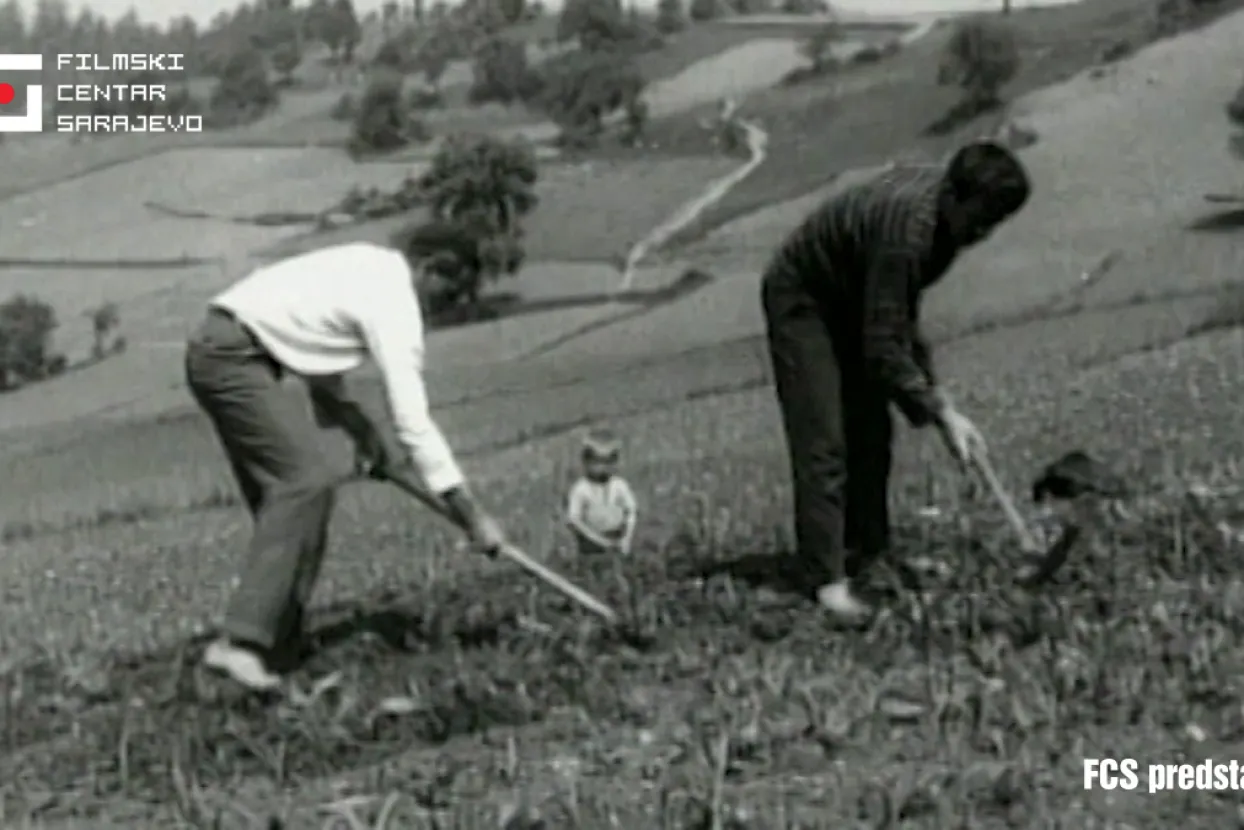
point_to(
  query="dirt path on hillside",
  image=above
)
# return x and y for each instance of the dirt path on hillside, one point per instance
(757, 146)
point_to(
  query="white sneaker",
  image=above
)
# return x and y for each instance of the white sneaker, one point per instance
(241, 664)
(837, 598)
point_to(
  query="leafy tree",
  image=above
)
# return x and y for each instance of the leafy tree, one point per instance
(389, 14)
(384, 121)
(432, 58)
(1235, 108)
(317, 21)
(805, 7)
(104, 321)
(244, 91)
(501, 72)
(512, 11)
(478, 188)
(597, 24)
(746, 7)
(704, 10)
(818, 47)
(285, 59)
(1235, 113)
(483, 179)
(484, 17)
(26, 327)
(981, 57)
(670, 16)
(183, 35)
(392, 55)
(50, 27)
(13, 35)
(579, 89)
(342, 32)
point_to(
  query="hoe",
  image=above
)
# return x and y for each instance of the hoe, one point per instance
(1070, 479)
(406, 482)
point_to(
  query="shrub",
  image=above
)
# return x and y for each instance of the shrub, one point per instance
(511, 11)
(286, 57)
(1235, 108)
(1116, 51)
(501, 73)
(105, 319)
(1170, 17)
(344, 109)
(478, 189)
(424, 98)
(671, 17)
(645, 36)
(26, 326)
(483, 179)
(746, 7)
(818, 47)
(980, 58)
(579, 89)
(866, 55)
(704, 10)
(433, 57)
(804, 7)
(392, 55)
(596, 24)
(384, 122)
(244, 92)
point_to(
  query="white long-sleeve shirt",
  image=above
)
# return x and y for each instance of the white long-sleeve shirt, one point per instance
(326, 312)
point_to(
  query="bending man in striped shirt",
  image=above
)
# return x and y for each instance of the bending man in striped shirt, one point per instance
(841, 300)
(313, 317)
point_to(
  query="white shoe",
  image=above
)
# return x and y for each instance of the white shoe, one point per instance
(836, 597)
(241, 664)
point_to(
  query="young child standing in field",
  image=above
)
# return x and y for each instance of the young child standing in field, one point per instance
(601, 508)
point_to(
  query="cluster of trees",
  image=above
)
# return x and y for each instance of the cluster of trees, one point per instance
(27, 325)
(250, 51)
(593, 77)
(980, 58)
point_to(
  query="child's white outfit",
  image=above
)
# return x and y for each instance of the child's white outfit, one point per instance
(606, 508)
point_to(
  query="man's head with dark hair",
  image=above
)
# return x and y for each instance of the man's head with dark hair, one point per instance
(986, 184)
(431, 240)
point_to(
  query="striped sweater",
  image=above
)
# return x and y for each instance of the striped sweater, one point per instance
(866, 253)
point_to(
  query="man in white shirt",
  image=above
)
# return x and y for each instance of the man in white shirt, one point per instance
(315, 316)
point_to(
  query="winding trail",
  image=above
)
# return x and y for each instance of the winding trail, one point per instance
(758, 146)
(758, 149)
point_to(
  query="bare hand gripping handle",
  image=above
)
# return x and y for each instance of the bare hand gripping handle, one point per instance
(406, 482)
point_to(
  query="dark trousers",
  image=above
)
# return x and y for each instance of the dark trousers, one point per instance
(838, 430)
(273, 445)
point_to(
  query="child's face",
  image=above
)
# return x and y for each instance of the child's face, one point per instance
(600, 469)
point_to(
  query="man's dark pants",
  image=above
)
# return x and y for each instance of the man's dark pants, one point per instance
(838, 430)
(274, 447)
